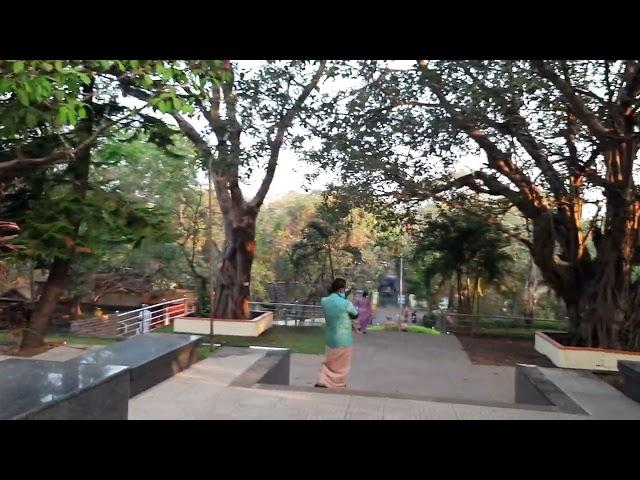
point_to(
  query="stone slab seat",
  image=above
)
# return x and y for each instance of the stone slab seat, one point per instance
(533, 387)
(151, 358)
(48, 390)
(272, 369)
(630, 372)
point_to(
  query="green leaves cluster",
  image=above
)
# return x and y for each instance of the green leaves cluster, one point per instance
(106, 219)
(43, 93)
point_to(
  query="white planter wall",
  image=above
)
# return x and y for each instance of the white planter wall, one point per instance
(580, 357)
(241, 328)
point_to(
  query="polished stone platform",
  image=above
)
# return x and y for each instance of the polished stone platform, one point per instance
(151, 358)
(630, 372)
(47, 390)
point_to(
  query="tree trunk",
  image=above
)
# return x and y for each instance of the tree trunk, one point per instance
(597, 292)
(330, 260)
(76, 307)
(78, 168)
(478, 300)
(530, 295)
(234, 274)
(608, 299)
(203, 296)
(450, 303)
(33, 335)
(459, 291)
(472, 287)
(631, 332)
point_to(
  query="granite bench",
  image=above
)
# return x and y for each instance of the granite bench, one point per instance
(533, 387)
(46, 390)
(96, 385)
(630, 372)
(272, 369)
(151, 358)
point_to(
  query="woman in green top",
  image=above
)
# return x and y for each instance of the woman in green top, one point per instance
(338, 314)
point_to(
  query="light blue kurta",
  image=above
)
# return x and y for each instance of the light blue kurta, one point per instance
(337, 321)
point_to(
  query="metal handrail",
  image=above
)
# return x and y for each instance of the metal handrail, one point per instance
(285, 304)
(474, 323)
(297, 313)
(505, 317)
(174, 302)
(132, 324)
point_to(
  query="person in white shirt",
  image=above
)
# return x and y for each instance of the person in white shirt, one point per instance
(145, 319)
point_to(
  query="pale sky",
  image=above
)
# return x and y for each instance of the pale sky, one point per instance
(289, 177)
(291, 171)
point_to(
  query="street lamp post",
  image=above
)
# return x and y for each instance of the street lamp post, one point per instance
(401, 300)
(211, 253)
(401, 297)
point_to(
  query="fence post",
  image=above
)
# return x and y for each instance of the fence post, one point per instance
(167, 315)
(124, 324)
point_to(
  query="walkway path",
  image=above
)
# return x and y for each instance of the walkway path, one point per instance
(201, 393)
(415, 364)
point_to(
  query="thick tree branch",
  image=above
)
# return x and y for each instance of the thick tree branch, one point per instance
(231, 155)
(189, 131)
(12, 168)
(629, 85)
(579, 107)
(193, 135)
(281, 127)
(517, 126)
(496, 158)
(373, 113)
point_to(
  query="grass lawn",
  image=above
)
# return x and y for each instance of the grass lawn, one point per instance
(204, 351)
(297, 339)
(410, 329)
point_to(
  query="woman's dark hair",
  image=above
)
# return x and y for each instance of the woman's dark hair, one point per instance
(365, 294)
(337, 284)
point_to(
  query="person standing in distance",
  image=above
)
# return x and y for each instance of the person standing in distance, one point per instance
(339, 314)
(363, 305)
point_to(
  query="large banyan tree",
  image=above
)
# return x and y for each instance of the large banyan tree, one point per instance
(241, 117)
(557, 140)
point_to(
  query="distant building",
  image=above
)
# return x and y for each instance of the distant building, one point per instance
(21, 293)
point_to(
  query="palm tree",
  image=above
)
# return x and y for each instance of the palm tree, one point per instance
(466, 247)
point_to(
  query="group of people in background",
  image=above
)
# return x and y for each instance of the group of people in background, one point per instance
(342, 318)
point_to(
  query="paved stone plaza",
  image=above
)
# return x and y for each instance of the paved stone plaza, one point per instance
(202, 393)
(395, 375)
(415, 364)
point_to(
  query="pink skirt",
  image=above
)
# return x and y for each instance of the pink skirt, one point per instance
(335, 368)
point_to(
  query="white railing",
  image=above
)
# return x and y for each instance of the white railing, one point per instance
(296, 313)
(473, 323)
(145, 319)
